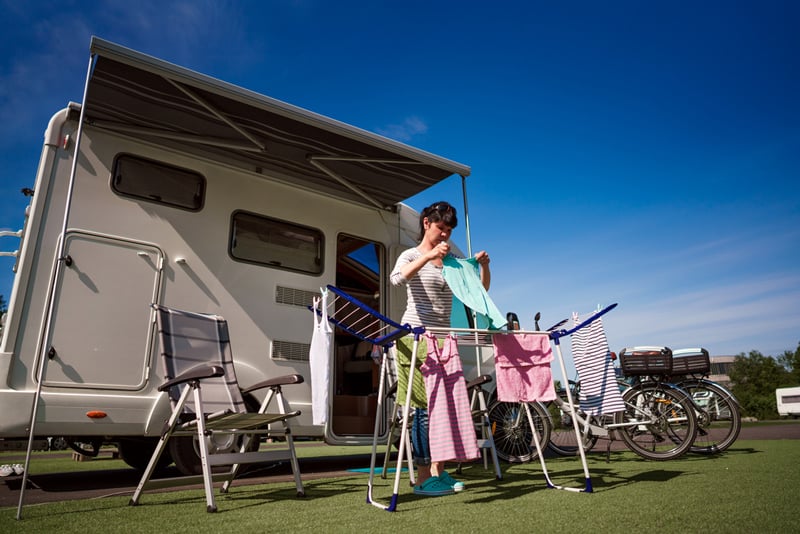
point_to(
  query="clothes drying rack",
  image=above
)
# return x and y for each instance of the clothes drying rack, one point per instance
(358, 319)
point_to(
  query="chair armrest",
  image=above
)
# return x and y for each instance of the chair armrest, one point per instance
(277, 381)
(198, 373)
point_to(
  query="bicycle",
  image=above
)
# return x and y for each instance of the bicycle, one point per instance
(718, 411)
(512, 429)
(658, 423)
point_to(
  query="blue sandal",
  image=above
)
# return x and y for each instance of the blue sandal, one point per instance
(434, 487)
(450, 481)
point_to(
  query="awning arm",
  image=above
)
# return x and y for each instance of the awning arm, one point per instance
(316, 161)
(216, 113)
(313, 160)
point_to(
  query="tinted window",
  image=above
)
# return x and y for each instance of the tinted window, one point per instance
(158, 182)
(276, 243)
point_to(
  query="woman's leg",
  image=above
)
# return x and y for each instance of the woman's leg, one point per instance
(419, 443)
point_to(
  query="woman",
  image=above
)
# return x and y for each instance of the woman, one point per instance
(429, 305)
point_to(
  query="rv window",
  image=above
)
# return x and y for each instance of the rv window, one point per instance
(158, 182)
(276, 243)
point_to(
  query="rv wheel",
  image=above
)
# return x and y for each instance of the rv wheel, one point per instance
(185, 451)
(136, 452)
(185, 454)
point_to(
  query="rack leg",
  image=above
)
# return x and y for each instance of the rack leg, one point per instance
(576, 428)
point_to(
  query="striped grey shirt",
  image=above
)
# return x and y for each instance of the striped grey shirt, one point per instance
(429, 297)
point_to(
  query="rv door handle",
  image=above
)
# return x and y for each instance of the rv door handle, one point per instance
(51, 354)
(67, 260)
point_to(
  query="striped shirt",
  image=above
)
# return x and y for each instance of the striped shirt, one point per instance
(599, 390)
(430, 299)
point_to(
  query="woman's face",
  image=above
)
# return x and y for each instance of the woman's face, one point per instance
(436, 232)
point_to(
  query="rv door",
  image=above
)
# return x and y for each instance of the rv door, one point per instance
(101, 323)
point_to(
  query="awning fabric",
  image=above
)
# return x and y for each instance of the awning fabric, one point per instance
(170, 105)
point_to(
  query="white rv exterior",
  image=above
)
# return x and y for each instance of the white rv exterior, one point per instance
(788, 400)
(183, 190)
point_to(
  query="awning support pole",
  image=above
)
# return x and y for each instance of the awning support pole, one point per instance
(58, 268)
(469, 254)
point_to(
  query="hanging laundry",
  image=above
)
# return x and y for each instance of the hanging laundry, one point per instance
(404, 347)
(320, 360)
(462, 276)
(599, 393)
(522, 367)
(451, 430)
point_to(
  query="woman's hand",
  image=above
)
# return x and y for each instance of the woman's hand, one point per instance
(438, 252)
(482, 257)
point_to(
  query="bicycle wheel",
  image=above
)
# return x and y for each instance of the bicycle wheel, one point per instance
(512, 434)
(658, 422)
(719, 418)
(562, 438)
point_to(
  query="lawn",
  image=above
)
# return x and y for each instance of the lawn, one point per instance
(753, 487)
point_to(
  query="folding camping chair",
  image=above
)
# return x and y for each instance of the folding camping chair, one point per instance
(207, 405)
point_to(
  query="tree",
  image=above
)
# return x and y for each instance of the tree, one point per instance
(753, 380)
(791, 362)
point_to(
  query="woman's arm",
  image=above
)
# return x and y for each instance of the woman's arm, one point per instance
(482, 258)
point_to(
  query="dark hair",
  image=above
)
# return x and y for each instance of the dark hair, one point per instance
(437, 212)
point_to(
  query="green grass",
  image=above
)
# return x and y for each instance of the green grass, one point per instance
(753, 487)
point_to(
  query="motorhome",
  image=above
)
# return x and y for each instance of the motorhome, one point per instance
(168, 186)
(788, 400)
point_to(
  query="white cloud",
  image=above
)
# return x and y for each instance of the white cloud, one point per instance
(406, 130)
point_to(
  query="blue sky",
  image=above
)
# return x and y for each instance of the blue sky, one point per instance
(644, 153)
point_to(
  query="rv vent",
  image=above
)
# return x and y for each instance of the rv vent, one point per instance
(290, 350)
(295, 297)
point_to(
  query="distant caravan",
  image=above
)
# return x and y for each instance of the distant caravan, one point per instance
(788, 400)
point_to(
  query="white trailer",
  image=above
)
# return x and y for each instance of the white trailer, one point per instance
(168, 186)
(788, 400)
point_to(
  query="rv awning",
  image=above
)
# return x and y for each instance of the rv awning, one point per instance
(161, 102)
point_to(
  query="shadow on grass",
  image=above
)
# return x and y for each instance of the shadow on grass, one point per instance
(522, 479)
(249, 496)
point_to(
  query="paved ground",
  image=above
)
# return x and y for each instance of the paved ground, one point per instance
(86, 485)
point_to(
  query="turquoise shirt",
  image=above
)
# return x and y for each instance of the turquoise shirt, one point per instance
(464, 280)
